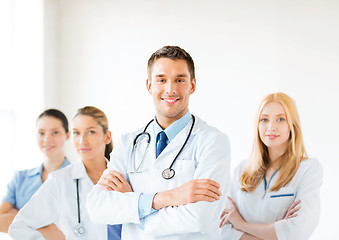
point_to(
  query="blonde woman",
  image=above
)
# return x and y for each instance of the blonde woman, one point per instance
(62, 198)
(275, 194)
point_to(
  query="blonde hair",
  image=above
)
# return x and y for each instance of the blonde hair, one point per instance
(100, 117)
(257, 164)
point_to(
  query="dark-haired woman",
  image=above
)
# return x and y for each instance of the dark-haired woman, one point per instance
(62, 198)
(52, 134)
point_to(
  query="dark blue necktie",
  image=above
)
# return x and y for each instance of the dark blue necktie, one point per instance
(114, 232)
(162, 142)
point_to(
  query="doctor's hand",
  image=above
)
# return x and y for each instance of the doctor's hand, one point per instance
(114, 181)
(292, 211)
(190, 192)
(231, 215)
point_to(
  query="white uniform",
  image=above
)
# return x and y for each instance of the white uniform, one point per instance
(56, 202)
(206, 155)
(258, 207)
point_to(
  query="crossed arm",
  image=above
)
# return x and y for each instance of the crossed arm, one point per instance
(253, 231)
(299, 222)
(176, 220)
(8, 213)
(190, 192)
(195, 204)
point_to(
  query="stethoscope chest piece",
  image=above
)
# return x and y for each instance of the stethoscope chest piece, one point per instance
(79, 230)
(168, 173)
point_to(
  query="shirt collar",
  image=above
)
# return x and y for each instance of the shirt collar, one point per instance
(35, 171)
(38, 170)
(79, 170)
(172, 130)
(65, 163)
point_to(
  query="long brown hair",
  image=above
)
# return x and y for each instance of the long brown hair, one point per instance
(100, 117)
(257, 164)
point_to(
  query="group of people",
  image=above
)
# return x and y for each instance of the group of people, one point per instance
(169, 179)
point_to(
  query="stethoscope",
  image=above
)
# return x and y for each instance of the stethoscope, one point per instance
(168, 173)
(79, 228)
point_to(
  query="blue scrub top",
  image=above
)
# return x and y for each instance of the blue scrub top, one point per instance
(24, 184)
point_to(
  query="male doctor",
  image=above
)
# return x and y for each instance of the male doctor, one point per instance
(185, 200)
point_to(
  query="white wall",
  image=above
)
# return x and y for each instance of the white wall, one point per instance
(21, 85)
(96, 54)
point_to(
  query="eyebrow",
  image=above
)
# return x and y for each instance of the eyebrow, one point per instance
(164, 75)
(42, 129)
(160, 75)
(86, 128)
(281, 114)
(182, 75)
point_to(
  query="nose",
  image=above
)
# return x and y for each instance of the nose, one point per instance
(272, 126)
(170, 88)
(47, 137)
(82, 139)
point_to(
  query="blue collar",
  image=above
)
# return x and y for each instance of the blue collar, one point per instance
(38, 170)
(267, 186)
(172, 130)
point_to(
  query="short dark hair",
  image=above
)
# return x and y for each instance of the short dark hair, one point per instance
(56, 114)
(174, 53)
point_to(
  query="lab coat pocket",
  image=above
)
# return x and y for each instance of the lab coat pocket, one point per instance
(281, 200)
(184, 172)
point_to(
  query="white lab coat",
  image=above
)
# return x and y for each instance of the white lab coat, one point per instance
(56, 202)
(206, 155)
(258, 207)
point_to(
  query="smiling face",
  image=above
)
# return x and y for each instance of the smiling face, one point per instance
(89, 138)
(51, 136)
(274, 130)
(170, 85)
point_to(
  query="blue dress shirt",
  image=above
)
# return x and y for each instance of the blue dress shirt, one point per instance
(145, 200)
(24, 184)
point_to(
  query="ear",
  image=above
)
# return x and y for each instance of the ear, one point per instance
(67, 135)
(193, 85)
(108, 137)
(149, 85)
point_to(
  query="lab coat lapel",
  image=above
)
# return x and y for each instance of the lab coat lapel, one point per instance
(79, 171)
(165, 159)
(174, 146)
(151, 151)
